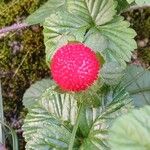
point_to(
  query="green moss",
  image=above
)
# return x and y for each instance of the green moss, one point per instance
(30, 51)
(32, 57)
(22, 58)
(13, 10)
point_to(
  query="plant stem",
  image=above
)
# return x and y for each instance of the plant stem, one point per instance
(14, 136)
(2, 137)
(13, 27)
(73, 135)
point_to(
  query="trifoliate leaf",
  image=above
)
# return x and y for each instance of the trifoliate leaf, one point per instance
(111, 73)
(131, 131)
(137, 82)
(44, 11)
(32, 94)
(114, 39)
(96, 12)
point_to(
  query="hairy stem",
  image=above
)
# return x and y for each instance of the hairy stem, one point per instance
(73, 135)
(13, 27)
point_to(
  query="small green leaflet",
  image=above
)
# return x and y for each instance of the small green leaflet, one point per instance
(120, 40)
(115, 41)
(137, 82)
(42, 130)
(95, 12)
(32, 94)
(45, 11)
(52, 137)
(131, 131)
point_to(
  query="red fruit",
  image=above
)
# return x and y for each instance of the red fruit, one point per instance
(74, 67)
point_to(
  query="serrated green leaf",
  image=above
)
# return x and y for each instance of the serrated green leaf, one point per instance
(42, 131)
(132, 131)
(96, 12)
(36, 119)
(45, 11)
(32, 94)
(137, 82)
(112, 73)
(52, 137)
(120, 39)
(114, 40)
(62, 106)
(54, 114)
(60, 28)
(95, 122)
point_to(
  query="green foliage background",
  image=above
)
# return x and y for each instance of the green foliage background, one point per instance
(32, 49)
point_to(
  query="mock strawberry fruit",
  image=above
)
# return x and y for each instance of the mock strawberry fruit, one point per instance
(74, 67)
